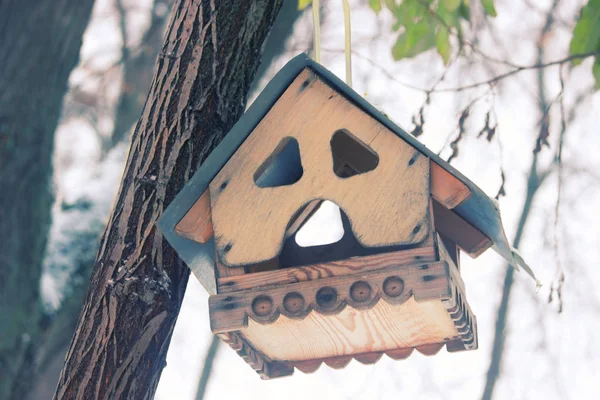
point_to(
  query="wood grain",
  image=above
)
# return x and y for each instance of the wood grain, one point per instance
(386, 206)
(394, 284)
(307, 339)
(223, 271)
(384, 327)
(446, 188)
(197, 223)
(350, 266)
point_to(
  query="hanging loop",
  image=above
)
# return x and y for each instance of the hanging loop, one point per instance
(347, 42)
(347, 36)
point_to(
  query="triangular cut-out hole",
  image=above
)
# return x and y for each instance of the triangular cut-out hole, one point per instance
(351, 156)
(283, 167)
(322, 228)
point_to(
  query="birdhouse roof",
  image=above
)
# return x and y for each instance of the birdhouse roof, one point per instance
(478, 209)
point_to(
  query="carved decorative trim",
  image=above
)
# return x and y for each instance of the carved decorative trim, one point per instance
(265, 367)
(464, 321)
(330, 296)
(395, 285)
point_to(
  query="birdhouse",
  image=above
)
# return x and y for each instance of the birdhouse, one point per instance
(390, 285)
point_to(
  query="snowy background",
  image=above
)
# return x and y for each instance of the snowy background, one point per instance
(548, 355)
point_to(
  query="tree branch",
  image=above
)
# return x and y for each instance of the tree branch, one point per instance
(534, 182)
(521, 69)
(135, 293)
(208, 366)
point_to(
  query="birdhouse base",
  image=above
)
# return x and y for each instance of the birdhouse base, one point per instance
(301, 317)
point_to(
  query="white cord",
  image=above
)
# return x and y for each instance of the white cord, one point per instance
(317, 26)
(347, 42)
(347, 34)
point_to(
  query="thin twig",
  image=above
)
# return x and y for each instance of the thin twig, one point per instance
(208, 367)
(497, 78)
(557, 285)
(381, 69)
(534, 182)
(455, 142)
(488, 82)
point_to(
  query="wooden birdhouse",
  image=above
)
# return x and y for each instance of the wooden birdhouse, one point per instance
(390, 285)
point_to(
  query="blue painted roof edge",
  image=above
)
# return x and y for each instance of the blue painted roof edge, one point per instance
(479, 209)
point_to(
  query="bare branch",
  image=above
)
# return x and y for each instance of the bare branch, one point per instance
(122, 28)
(557, 285)
(538, 65)
(534, 182)
(208, 367)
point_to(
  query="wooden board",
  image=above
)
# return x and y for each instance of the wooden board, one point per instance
(424, 281)
(387, 206)
(274, 343)
(446, 188)
(326, 270)
(197, 223)
(448, 251)
(384, 327)
(465, 235)
(478, 209)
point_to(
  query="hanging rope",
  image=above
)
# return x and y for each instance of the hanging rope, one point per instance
(347, 35)
(317, 27)
(347, 42)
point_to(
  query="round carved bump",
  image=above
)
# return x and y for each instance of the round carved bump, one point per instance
(360, 291)
(393, 286)
(327, 297)
(262, 306)
(293, 303)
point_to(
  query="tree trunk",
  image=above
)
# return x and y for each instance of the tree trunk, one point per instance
(199, 88)
(39, 46)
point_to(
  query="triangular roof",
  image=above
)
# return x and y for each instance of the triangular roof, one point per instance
(478, 209)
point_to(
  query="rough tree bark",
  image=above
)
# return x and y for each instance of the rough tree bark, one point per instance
(199, 88)
(39, 46)
(138, 68)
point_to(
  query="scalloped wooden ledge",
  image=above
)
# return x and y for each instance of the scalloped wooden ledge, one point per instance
(273, 356)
